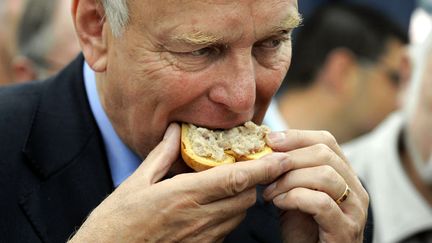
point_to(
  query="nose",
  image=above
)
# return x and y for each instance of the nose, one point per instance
(236, 88)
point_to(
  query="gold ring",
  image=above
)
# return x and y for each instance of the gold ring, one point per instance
(344, 196)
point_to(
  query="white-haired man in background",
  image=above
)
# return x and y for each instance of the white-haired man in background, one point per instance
(395, 162)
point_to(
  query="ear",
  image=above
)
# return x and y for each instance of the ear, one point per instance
(23, 70)
(337, 70)
(90, 24)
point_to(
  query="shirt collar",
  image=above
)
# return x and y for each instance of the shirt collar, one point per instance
(273, 118)
(122, 160)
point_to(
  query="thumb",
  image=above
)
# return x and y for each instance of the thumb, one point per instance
(160, 159)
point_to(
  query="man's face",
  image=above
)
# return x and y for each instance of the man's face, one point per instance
(212, 63)
(378, 88)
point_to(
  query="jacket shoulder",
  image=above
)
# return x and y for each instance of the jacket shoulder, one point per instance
(18, 104)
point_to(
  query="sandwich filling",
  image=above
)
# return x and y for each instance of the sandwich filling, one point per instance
(241, 140)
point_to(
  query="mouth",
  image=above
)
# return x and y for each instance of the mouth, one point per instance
(219, 125)
(218, 122)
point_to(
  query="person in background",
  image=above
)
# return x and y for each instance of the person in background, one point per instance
(349, 63)
(10, 13)
(395, 162)
(46, 40)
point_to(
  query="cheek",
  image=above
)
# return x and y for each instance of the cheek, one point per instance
(269, 79)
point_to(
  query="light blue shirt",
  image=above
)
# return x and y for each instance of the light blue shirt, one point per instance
(122, 161)
(273, 118)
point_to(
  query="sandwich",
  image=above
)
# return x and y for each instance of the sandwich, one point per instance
(202, 148)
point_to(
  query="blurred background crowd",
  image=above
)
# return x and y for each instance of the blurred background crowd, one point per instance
(360, 69)
(37, 39)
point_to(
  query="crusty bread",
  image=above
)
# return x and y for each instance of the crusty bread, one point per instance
(202, 148)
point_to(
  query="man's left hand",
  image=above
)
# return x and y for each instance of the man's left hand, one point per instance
(321, 198)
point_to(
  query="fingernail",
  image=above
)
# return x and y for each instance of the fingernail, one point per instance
(280, 197)
(275, 137)
(170, 131)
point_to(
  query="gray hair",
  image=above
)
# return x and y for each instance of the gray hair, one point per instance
(117, 13)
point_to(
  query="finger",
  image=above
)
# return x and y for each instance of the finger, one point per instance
(229, 180)
(221, 231)
(321, 178)
(294, 139)
(319, 205)
(160, 159)
(231, 206)
(202, 218)
(319, 155)
(324, 146)
(324, 210)
(217, 232)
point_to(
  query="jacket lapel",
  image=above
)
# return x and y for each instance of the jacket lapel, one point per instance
(65, 150)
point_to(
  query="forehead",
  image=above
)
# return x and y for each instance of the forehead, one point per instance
(223, 16)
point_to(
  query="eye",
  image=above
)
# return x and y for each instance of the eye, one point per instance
(276, 41)
(204, 52)
(197, 59)
(200, 52)
(271, 43)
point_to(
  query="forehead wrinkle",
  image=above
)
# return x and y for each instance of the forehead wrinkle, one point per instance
(198, 38)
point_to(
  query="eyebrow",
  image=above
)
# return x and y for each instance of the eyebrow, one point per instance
(292, 21)
(198, 38)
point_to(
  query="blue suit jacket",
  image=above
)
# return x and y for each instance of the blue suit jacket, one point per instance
(53, 165)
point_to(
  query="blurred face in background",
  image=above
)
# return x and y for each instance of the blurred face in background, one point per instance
(47, 49)
(378, 87)
(10, 12)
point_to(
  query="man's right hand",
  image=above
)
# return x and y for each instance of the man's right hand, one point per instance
(191, 207)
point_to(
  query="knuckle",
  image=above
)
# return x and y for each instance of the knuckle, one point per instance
(294, 198)
(324, 152)
(329, 175)
(270, 171)
(325, 202)
(328, 138)
(237, 181)
(322, 148)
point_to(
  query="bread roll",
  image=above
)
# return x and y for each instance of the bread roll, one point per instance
(202, 148)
